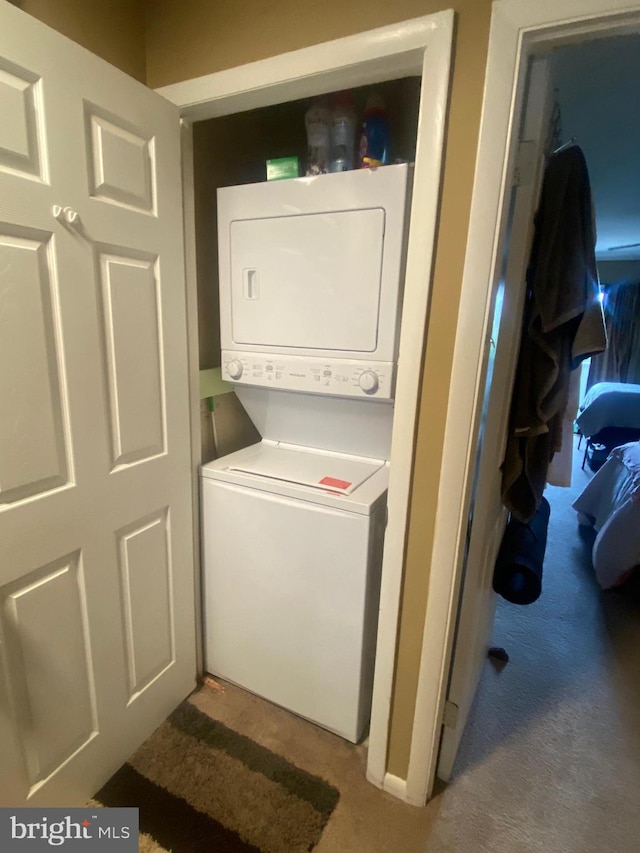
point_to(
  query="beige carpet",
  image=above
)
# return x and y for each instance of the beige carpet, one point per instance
(550, 760)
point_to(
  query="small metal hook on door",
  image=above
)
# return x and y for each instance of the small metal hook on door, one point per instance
(66, 214)
(71, 216)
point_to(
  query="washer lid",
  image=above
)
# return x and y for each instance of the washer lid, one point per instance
(355, 483)
(307, 468)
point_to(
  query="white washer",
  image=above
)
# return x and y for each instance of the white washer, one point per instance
(292, 553)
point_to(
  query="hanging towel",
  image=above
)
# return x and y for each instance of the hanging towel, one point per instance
(518, 572)
(562, 325)
(559, 473)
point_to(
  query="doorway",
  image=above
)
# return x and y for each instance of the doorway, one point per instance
(549, 756)
(521, 29)
(574, 631)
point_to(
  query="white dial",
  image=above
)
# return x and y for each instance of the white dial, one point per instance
(234, 368)
(368, 381)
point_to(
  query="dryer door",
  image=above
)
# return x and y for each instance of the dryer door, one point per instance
(308, 281)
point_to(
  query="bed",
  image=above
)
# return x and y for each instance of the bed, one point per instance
(611, 504)
(609, 416)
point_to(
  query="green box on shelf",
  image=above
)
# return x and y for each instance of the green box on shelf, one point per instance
(281, 168)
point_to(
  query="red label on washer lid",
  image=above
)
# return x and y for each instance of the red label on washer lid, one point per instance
(334, 483)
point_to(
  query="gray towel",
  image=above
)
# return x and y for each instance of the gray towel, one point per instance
(563, 324)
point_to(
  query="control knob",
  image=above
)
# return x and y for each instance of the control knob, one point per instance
(234, 368)
(368, 381)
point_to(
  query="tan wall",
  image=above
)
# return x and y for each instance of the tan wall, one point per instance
(464, 121)
(197, 37)
(113, 29)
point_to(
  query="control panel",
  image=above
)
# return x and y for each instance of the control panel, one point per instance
(336, 377)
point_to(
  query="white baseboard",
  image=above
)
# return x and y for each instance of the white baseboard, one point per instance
(395, 786)
(374, 779)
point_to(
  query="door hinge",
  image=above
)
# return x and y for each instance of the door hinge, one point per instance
(450, 715)
(525, 163)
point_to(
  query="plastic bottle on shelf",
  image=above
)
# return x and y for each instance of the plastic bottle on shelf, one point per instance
(343, 133)
(318, 124)
(373, 149)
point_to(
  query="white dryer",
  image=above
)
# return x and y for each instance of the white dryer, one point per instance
(311, 274)
(292, 552)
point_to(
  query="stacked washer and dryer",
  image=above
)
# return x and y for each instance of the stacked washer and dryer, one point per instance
(311, 274)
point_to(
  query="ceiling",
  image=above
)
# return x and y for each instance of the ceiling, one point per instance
(598, 89)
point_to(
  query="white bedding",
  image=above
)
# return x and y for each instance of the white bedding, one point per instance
(611, 503)
(610, 404)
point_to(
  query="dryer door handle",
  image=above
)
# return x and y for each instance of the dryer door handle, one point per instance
(251, 290)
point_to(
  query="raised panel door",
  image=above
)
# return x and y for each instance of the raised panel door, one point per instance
(97, 606)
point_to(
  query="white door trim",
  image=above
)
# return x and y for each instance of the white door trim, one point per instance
(418, 47)
(518, 28)
(191, 287)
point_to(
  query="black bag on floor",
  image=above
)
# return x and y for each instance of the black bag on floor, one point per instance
(518, 572)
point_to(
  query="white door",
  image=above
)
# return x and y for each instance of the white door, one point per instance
(97, 639)
(488, 516)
